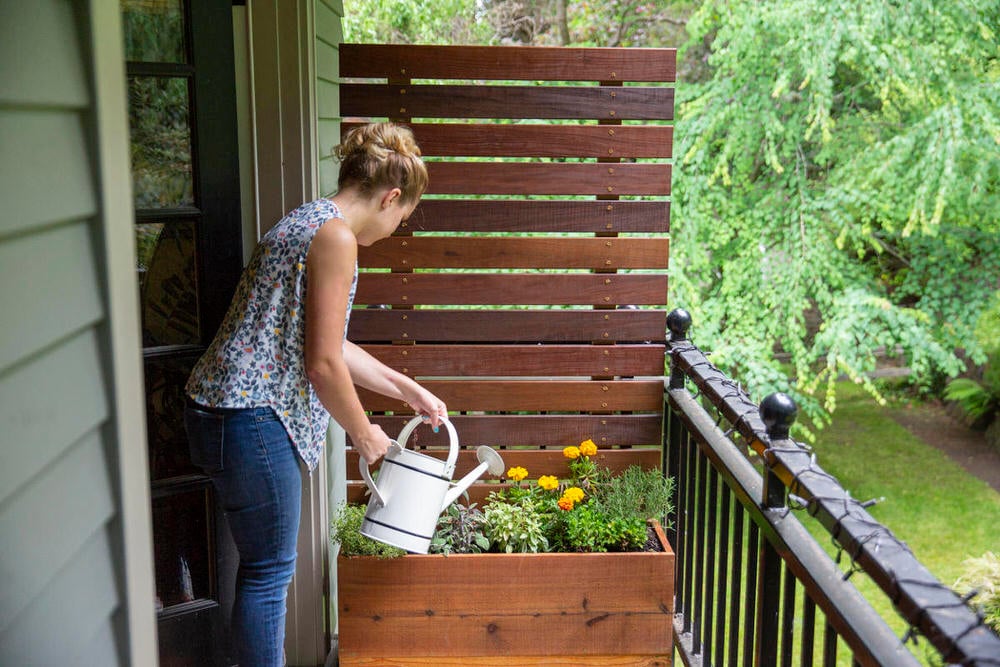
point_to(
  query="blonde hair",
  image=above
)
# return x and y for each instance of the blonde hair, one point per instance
(381, 155)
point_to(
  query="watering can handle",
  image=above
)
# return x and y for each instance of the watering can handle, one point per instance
(449, 464)
(404, 435)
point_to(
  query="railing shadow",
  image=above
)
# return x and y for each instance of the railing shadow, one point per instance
(753, 586)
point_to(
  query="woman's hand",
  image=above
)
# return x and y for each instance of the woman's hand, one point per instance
(426, 404)
(372, 444)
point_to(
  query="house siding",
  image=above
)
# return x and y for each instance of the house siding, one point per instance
(75, 565)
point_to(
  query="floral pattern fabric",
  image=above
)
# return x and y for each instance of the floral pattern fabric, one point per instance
(257, 357)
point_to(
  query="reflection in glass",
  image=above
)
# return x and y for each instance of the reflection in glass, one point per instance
(154, 30)
(180, 547)
(161, 141)
(168, 447)
(167, 286)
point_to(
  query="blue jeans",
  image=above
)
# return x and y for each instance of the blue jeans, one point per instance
(255, 470)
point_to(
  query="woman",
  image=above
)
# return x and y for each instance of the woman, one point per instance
(261, 397)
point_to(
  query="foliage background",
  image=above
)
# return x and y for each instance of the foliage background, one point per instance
(836, 191)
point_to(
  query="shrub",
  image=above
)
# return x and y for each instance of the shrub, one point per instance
(983, 576)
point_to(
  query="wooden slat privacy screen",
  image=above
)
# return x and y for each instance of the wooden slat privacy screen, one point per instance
(528, 289)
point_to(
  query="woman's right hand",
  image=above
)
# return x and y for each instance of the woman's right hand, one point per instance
(372, 444)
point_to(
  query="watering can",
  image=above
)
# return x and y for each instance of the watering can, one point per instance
(413, 489)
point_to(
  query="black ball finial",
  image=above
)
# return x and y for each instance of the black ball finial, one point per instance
(678, 322)
(778, 411)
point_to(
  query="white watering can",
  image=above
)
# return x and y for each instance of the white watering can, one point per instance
(413, 489)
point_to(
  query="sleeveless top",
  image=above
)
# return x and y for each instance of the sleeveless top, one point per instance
(257, 357)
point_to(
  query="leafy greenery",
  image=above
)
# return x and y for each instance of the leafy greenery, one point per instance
(516, 528)
(837, 188)
(460, 530)
(981, 400)
(345, 529)
(645, 494)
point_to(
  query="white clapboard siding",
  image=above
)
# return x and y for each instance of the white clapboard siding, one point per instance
(72, 446)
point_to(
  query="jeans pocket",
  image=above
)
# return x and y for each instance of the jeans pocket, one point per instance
(205, 438)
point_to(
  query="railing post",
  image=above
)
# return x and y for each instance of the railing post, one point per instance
(678, 323)
(778, 412)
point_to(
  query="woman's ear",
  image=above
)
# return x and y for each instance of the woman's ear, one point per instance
(390, 197)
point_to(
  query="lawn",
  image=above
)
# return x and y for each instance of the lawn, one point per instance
(940, 511)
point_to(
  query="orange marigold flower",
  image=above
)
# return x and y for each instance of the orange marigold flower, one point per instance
(548, 482)
(574, 493)
(565, 504)
(571, 452)
(517, 473)
(588, 448)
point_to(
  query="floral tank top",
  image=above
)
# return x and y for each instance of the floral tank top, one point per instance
(257, 357)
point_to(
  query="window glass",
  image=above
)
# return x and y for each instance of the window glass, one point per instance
(159, 122)
(154, 30)
(167, 285)
(165, 376)
(180, 548)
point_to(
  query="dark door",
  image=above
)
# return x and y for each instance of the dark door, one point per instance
(182, 115)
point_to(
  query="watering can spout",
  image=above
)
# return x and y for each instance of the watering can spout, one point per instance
(488, 460)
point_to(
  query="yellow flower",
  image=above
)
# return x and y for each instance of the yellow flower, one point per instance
(565, 504)
(517, 473)
(574, 493)
(571, 452)
(548, 482)
(588, 448)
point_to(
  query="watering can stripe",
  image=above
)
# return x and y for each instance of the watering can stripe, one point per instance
(415, 469)
(398, 530)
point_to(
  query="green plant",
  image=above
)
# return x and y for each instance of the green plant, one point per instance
(515, 528)
(591, 528)
(345, 529)
(637, 493)
(460, 531)
(980, 400)
(982, 575)
(590, 510)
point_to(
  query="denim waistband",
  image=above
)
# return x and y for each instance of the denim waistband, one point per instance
(256, 411)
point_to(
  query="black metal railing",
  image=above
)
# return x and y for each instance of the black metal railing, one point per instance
(753, 586)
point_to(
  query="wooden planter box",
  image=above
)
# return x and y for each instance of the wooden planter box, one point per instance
(507, 609)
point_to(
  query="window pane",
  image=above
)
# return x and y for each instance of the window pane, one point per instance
(180, 547)
(154, 30)
(161, 141)
(167, 286)
(165, 377)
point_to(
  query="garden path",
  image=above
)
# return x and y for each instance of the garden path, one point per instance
(932, 423)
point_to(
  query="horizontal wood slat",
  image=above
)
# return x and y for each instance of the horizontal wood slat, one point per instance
(404, 253)
(507, 326)
(502, 140)
(534, 430)
(549, 395)
(516, 102)
(487, 215)
(491, 360)
(511, 288)
(537, 463)
(510, 62)
(539, 178)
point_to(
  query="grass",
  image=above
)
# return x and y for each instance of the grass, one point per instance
(944, 514)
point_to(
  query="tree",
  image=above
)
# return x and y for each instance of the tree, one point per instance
(837, 188)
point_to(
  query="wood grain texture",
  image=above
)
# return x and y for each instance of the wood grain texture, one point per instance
(506, 326)
(521, 215)
(511, 289)
(541, 178)
(499, 605)
(521, 360)
(536, 430)
(511, 62)
(368, 100)
(405, 253)
(529, 395)
(505, 140)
